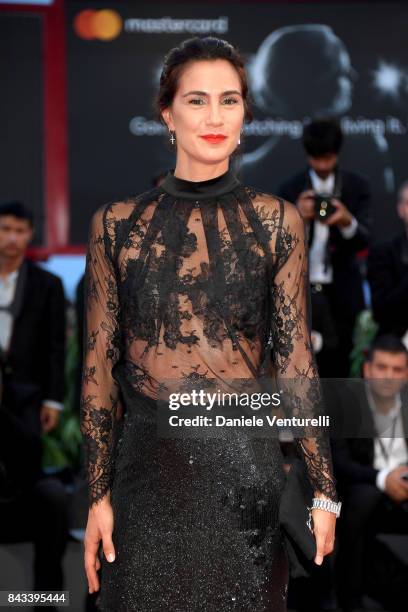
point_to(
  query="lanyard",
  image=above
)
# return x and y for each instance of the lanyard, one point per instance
(387, 452)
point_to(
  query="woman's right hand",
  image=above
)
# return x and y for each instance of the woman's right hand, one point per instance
(99, 527)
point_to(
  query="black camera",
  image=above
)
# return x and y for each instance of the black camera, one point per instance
(323, 206)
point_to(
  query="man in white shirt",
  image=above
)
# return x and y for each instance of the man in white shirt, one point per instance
(15, 236)
(334, 240)
(386, 372)
(33, 506)
(372, 472)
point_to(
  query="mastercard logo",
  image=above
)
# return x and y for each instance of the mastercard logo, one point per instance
(92, 24)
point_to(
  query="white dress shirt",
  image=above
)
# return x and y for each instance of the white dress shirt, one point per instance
(317, 251)
(391, 430)
(7, 290)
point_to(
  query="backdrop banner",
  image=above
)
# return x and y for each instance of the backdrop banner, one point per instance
(349, 61)
(21, 106)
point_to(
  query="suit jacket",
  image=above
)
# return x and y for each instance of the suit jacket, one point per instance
(355, 194)
(33, 372)
(388, 277)
(353, 458)
(37, 346)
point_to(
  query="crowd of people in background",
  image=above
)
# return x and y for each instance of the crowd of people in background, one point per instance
(371, 471)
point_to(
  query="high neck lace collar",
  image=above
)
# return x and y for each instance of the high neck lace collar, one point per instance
(199, 189)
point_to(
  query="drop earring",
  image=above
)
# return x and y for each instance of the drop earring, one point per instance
(172, 139)
(239, 137)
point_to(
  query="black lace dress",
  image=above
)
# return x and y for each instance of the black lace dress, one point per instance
(169, 275)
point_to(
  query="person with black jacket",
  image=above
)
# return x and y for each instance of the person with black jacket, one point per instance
(33, 506)
(371, 467)
(336, 205)
(387, 274)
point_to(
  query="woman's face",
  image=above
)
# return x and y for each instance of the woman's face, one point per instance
(207, 111)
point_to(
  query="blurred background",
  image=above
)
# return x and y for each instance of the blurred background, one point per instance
(78, 81)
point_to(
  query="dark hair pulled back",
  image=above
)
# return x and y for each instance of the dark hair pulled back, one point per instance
(198, 49)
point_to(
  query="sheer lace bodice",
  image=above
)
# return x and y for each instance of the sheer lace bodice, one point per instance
(169, 274)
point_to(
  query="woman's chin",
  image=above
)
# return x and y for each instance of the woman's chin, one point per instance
(214, 156)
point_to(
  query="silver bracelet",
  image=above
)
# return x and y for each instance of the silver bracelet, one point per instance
(327, 505)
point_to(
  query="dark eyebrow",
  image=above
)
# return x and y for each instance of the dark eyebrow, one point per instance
(203, 93)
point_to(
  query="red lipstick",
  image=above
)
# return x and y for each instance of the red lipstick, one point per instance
(213, 138)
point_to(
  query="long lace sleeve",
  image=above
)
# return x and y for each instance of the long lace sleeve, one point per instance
(99, 393)
(293, 356)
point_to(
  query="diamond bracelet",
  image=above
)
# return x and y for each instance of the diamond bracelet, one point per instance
(326, 504)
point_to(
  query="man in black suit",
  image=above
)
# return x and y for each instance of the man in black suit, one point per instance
(371, 471)
(388, 276)
(334, 239)
(32, 342)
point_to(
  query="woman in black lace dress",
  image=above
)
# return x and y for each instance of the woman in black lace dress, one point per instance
(199, 281)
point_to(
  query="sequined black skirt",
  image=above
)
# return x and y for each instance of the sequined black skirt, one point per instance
(195, 521)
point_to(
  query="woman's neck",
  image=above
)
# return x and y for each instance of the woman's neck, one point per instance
(192, 170)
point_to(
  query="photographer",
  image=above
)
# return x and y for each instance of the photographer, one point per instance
(336, 206)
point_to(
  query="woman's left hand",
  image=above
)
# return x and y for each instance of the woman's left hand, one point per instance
(324, 525)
